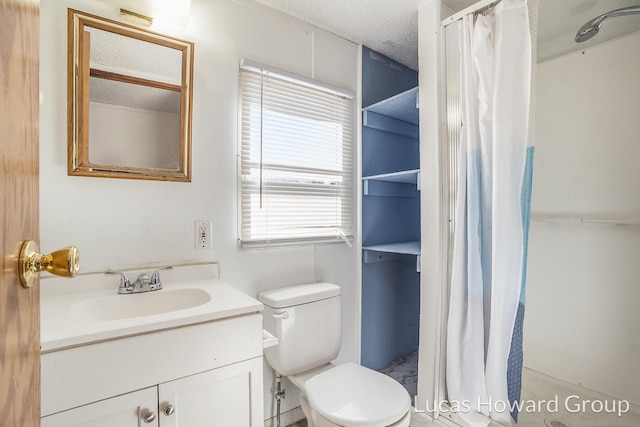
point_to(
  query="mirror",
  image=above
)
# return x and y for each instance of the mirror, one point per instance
(129, 101)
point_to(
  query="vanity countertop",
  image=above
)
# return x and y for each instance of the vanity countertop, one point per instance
(65, 323)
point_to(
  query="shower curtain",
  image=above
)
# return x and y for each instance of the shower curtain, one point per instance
(484, 335)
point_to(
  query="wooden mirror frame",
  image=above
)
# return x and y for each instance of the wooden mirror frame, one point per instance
(78, 74)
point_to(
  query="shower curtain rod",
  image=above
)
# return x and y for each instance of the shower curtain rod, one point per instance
(474, 8)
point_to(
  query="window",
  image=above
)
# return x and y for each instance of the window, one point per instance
(296, 161)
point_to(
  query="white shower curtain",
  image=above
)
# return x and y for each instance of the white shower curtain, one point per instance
(490, 234)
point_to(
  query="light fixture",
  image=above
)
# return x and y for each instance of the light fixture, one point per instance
(157, 12)
(136, 18)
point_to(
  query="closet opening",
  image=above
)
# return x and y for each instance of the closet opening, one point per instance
(390, 219)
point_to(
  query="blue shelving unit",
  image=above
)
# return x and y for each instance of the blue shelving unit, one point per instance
(390, 211)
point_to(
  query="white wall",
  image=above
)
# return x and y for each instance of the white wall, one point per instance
(127, 136)
(583, 287)
(119, 223)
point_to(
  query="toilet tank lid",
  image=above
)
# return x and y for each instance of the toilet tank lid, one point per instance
(298, 294)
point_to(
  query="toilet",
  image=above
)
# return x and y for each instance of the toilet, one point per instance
(306, 320)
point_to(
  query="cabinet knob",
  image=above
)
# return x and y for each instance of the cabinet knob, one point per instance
(169, 410)
(149, 417)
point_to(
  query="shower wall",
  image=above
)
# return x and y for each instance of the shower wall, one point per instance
(583, 289)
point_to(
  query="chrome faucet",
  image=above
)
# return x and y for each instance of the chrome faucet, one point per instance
(155, 283)
(142, 284)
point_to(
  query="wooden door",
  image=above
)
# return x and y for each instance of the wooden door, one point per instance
(19, 307)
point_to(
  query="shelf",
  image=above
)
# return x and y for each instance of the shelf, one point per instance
(407, 248)
(404, 177)
(376, 185)
(403, 107)
(398, 114)
(391, 251)
(579, 219)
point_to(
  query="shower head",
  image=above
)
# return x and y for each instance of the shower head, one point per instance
(592, 27)
(589, 29)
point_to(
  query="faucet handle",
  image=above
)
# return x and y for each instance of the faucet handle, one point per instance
(155, 277)
(125, 284)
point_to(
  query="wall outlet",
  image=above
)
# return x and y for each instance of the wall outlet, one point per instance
(203, 234)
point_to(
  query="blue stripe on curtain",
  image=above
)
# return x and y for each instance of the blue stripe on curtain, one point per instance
(514, 367)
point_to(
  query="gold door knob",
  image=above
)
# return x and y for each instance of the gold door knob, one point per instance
(63, 262)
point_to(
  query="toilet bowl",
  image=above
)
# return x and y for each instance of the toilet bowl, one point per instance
(306, 321)
(350, 395)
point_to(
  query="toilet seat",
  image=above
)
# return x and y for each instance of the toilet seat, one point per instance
(354, 396)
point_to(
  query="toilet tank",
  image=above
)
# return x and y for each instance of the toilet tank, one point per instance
(306, 320)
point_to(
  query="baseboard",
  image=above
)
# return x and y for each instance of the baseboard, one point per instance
(286, 418)
(421, 419)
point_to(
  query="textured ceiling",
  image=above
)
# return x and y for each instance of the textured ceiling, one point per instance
(137, 58)
(390, 26)
(134, 57)
(387, 26)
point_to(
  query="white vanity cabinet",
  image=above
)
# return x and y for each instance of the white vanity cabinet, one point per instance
(203, 371)
(222, 397)
(225, 396)
(124, 411)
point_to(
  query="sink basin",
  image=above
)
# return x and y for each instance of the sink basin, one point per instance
(118, 307)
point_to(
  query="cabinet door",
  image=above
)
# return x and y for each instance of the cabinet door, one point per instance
(230, 396)
(128, 410)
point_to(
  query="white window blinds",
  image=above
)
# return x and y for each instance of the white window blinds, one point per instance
(296, 161)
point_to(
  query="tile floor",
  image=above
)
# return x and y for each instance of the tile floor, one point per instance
(576, 406)
(405, 371)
